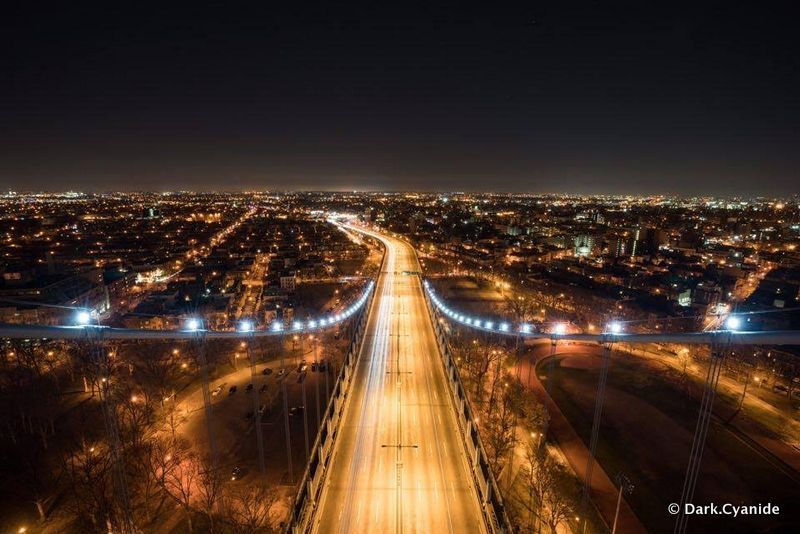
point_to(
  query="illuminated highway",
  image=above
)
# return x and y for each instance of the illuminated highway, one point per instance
(399, 465)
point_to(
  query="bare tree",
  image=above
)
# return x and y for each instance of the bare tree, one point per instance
(522, 309)
(557, 506)
(88, 475)
(485, 355)
(253, 509)
(549, 497)
(181, 483)
(499, 431)
(209, 490)
(134, 413)
(159, 373)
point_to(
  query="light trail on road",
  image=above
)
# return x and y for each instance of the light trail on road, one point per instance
(399, 464)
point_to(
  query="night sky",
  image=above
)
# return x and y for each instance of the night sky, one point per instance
(601, 97)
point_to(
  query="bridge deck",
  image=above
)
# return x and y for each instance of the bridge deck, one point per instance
(399, 464)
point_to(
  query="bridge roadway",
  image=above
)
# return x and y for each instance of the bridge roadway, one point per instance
(399, 464)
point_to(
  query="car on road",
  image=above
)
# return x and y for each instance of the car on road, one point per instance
(236, 473)
(266, 371)
(301, 377)
(232, 390)
(249, 387)
(217, 391)
(302, 367)
(296, 410)
(314, 367)
(263, 388)
(262, 409)
(281, 372)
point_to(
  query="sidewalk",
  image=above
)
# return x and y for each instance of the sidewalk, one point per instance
(603, 491)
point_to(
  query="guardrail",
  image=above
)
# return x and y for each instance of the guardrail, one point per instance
(492, 506)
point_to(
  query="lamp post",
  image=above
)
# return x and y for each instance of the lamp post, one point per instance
(626, 487)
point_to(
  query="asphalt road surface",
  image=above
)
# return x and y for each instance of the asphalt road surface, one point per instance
(399, 465)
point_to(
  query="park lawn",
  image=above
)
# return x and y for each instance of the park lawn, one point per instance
(646, 433)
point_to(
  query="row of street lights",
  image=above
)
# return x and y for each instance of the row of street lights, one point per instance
(85, 317)
(732, 323)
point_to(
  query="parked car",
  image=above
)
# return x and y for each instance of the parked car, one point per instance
(217, 391)
(266, 371)
(232, 390)
(249, 387)
(236, 473)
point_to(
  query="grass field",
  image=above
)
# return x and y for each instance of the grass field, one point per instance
(647, 432)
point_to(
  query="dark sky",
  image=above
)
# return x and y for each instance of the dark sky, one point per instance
(616, 97)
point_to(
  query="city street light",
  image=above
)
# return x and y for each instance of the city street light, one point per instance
(193, 324)
(615, 327)
(625, 486)
(560, 329)
(83, 317)
(245, 326)
(733, 323)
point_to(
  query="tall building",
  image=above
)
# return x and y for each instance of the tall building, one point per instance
(584, 243)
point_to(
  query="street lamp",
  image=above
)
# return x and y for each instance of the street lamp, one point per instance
(625, 486)
(245, 326)
(615, 327)
(733, 323)
(560, 329)
(83, 317)
(193, 324)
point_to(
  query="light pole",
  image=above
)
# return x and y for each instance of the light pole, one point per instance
(744, 392)
(286, 429)
(247, 326)
(316, 392)
(305, 410)
(286, 415)
(626, 487)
